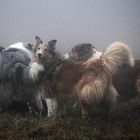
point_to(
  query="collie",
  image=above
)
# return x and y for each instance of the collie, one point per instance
(83, 52)
(96, 85)
(65, 74)
(90, 81)
(21, 75)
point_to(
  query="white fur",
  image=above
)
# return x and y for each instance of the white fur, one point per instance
(96, 55)
(116, 55)
(94, 91)
(20, 46)
(35, 69)
(39, 102)
(66, 56)
(52, 106)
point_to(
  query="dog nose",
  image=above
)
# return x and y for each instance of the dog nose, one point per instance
(39, 54)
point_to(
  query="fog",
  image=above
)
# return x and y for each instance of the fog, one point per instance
(71, 22)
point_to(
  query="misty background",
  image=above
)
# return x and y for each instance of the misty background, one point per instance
(71, 22)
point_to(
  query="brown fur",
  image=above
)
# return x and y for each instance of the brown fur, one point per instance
(125, 81)
(92, 81)
(96, 83)
(63, 82)
(137, 84)
(94, 71)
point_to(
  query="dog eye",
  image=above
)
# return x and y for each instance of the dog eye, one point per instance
(38, 48)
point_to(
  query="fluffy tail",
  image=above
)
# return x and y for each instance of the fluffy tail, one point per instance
(96, 86)
(116, 55)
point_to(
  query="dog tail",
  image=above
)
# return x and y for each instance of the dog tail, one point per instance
(93, 88)
(92, 92)
(116, 55)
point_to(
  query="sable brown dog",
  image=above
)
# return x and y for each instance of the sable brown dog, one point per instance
(59, 90)
(91, 81)
(96, 84)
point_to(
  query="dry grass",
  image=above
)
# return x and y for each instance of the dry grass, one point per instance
(122, 123)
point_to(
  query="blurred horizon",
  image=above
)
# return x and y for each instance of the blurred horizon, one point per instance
(71, 22)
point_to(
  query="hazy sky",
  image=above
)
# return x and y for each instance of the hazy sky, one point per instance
(71, 22)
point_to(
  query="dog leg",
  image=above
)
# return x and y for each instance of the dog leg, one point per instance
(37, 104)
(84, 109)
(52, 106)
(111, 96)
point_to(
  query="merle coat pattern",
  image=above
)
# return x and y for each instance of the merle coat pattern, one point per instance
(20, 77)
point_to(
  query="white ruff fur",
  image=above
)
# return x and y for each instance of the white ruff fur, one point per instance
(52, 106)
(66, 56)
(20, 46)
(35, 69)
(96, 55)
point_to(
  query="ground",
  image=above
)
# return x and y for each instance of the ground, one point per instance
(123, 122)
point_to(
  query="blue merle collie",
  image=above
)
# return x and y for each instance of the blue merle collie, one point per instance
(83, 52)
(21, 73)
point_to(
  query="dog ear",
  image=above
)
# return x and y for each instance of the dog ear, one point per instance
(38, 40)
(52, 44)
(29, 46)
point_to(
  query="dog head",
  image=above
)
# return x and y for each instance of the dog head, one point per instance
(81, 52)
(43, 50)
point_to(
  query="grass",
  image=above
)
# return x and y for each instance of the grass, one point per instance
(122, 123)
